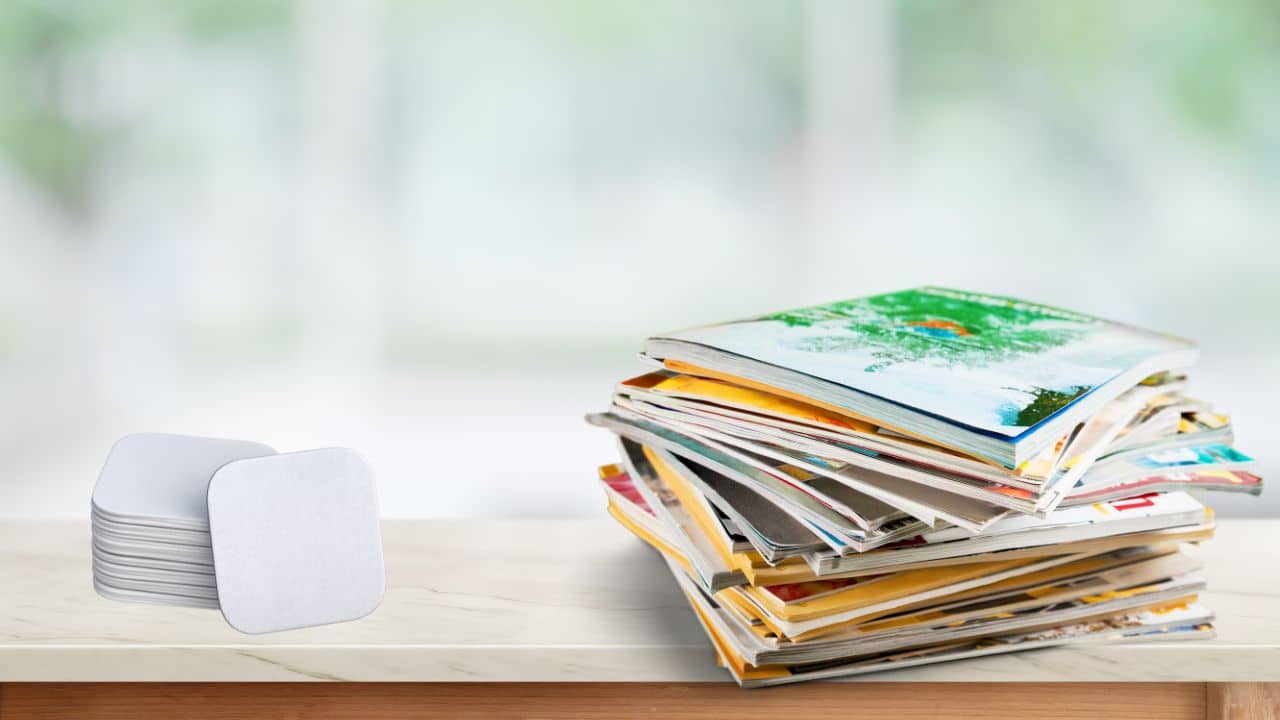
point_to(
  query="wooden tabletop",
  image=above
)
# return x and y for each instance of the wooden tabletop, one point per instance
(535, 600)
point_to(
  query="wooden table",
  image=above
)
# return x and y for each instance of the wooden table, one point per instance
(540, 618)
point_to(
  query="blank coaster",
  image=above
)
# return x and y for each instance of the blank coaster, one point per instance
(150, 519)
(163, 479)
(296, 540)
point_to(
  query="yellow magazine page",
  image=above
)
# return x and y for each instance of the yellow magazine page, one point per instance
(863, 624)
(1194, 534)
(741, 609)
(690, 501)
(814, 623)
(788, 571)
(847, 416)
(882, 589)
(720, 391)
(797, 571)
(734, 598)
(644, 382)
(752, 565)
(1039, 584)
(784, 407)
(762, 631)
(737, 664)
(654, 541)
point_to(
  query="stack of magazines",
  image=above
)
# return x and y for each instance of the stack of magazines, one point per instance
(921, 476)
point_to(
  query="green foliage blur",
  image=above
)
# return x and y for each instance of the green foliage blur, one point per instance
(48, 56)
(1204, 60)
(1062, 65)
(943, 327)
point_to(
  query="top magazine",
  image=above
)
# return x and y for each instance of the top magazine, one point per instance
(994, 377)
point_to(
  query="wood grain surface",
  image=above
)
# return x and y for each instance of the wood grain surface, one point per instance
(375, 701)
(1230, 701)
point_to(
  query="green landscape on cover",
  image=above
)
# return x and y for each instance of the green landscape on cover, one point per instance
(945, 329)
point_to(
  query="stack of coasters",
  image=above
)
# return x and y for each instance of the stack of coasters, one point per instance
(151, 521)
(274, 541)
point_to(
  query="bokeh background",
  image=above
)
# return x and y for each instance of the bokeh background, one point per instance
(439, 231)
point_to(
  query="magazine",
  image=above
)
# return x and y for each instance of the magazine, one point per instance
(921, 476)
(992, 376)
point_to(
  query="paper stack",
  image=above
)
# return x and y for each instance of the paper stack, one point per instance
(921, 476)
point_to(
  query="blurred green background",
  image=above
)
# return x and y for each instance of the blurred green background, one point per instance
(438, 231)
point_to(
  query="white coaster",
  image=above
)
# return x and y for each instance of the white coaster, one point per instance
(103, 530)
(151, 586)
(154, 563)
(129, 523)
(107, 568)
(155, 551)
(151, 522)
(296, 540)
(165, 477)
(111, 593)
(144, 525)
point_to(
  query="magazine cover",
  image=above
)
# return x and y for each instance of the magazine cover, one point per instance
(988, 362)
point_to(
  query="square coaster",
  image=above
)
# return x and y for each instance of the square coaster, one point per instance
(102, 566)
(107, 529)
(107, 591)
(146, 549)
(150, 586)
(296, 540)
(101, 554)
(160, 478)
